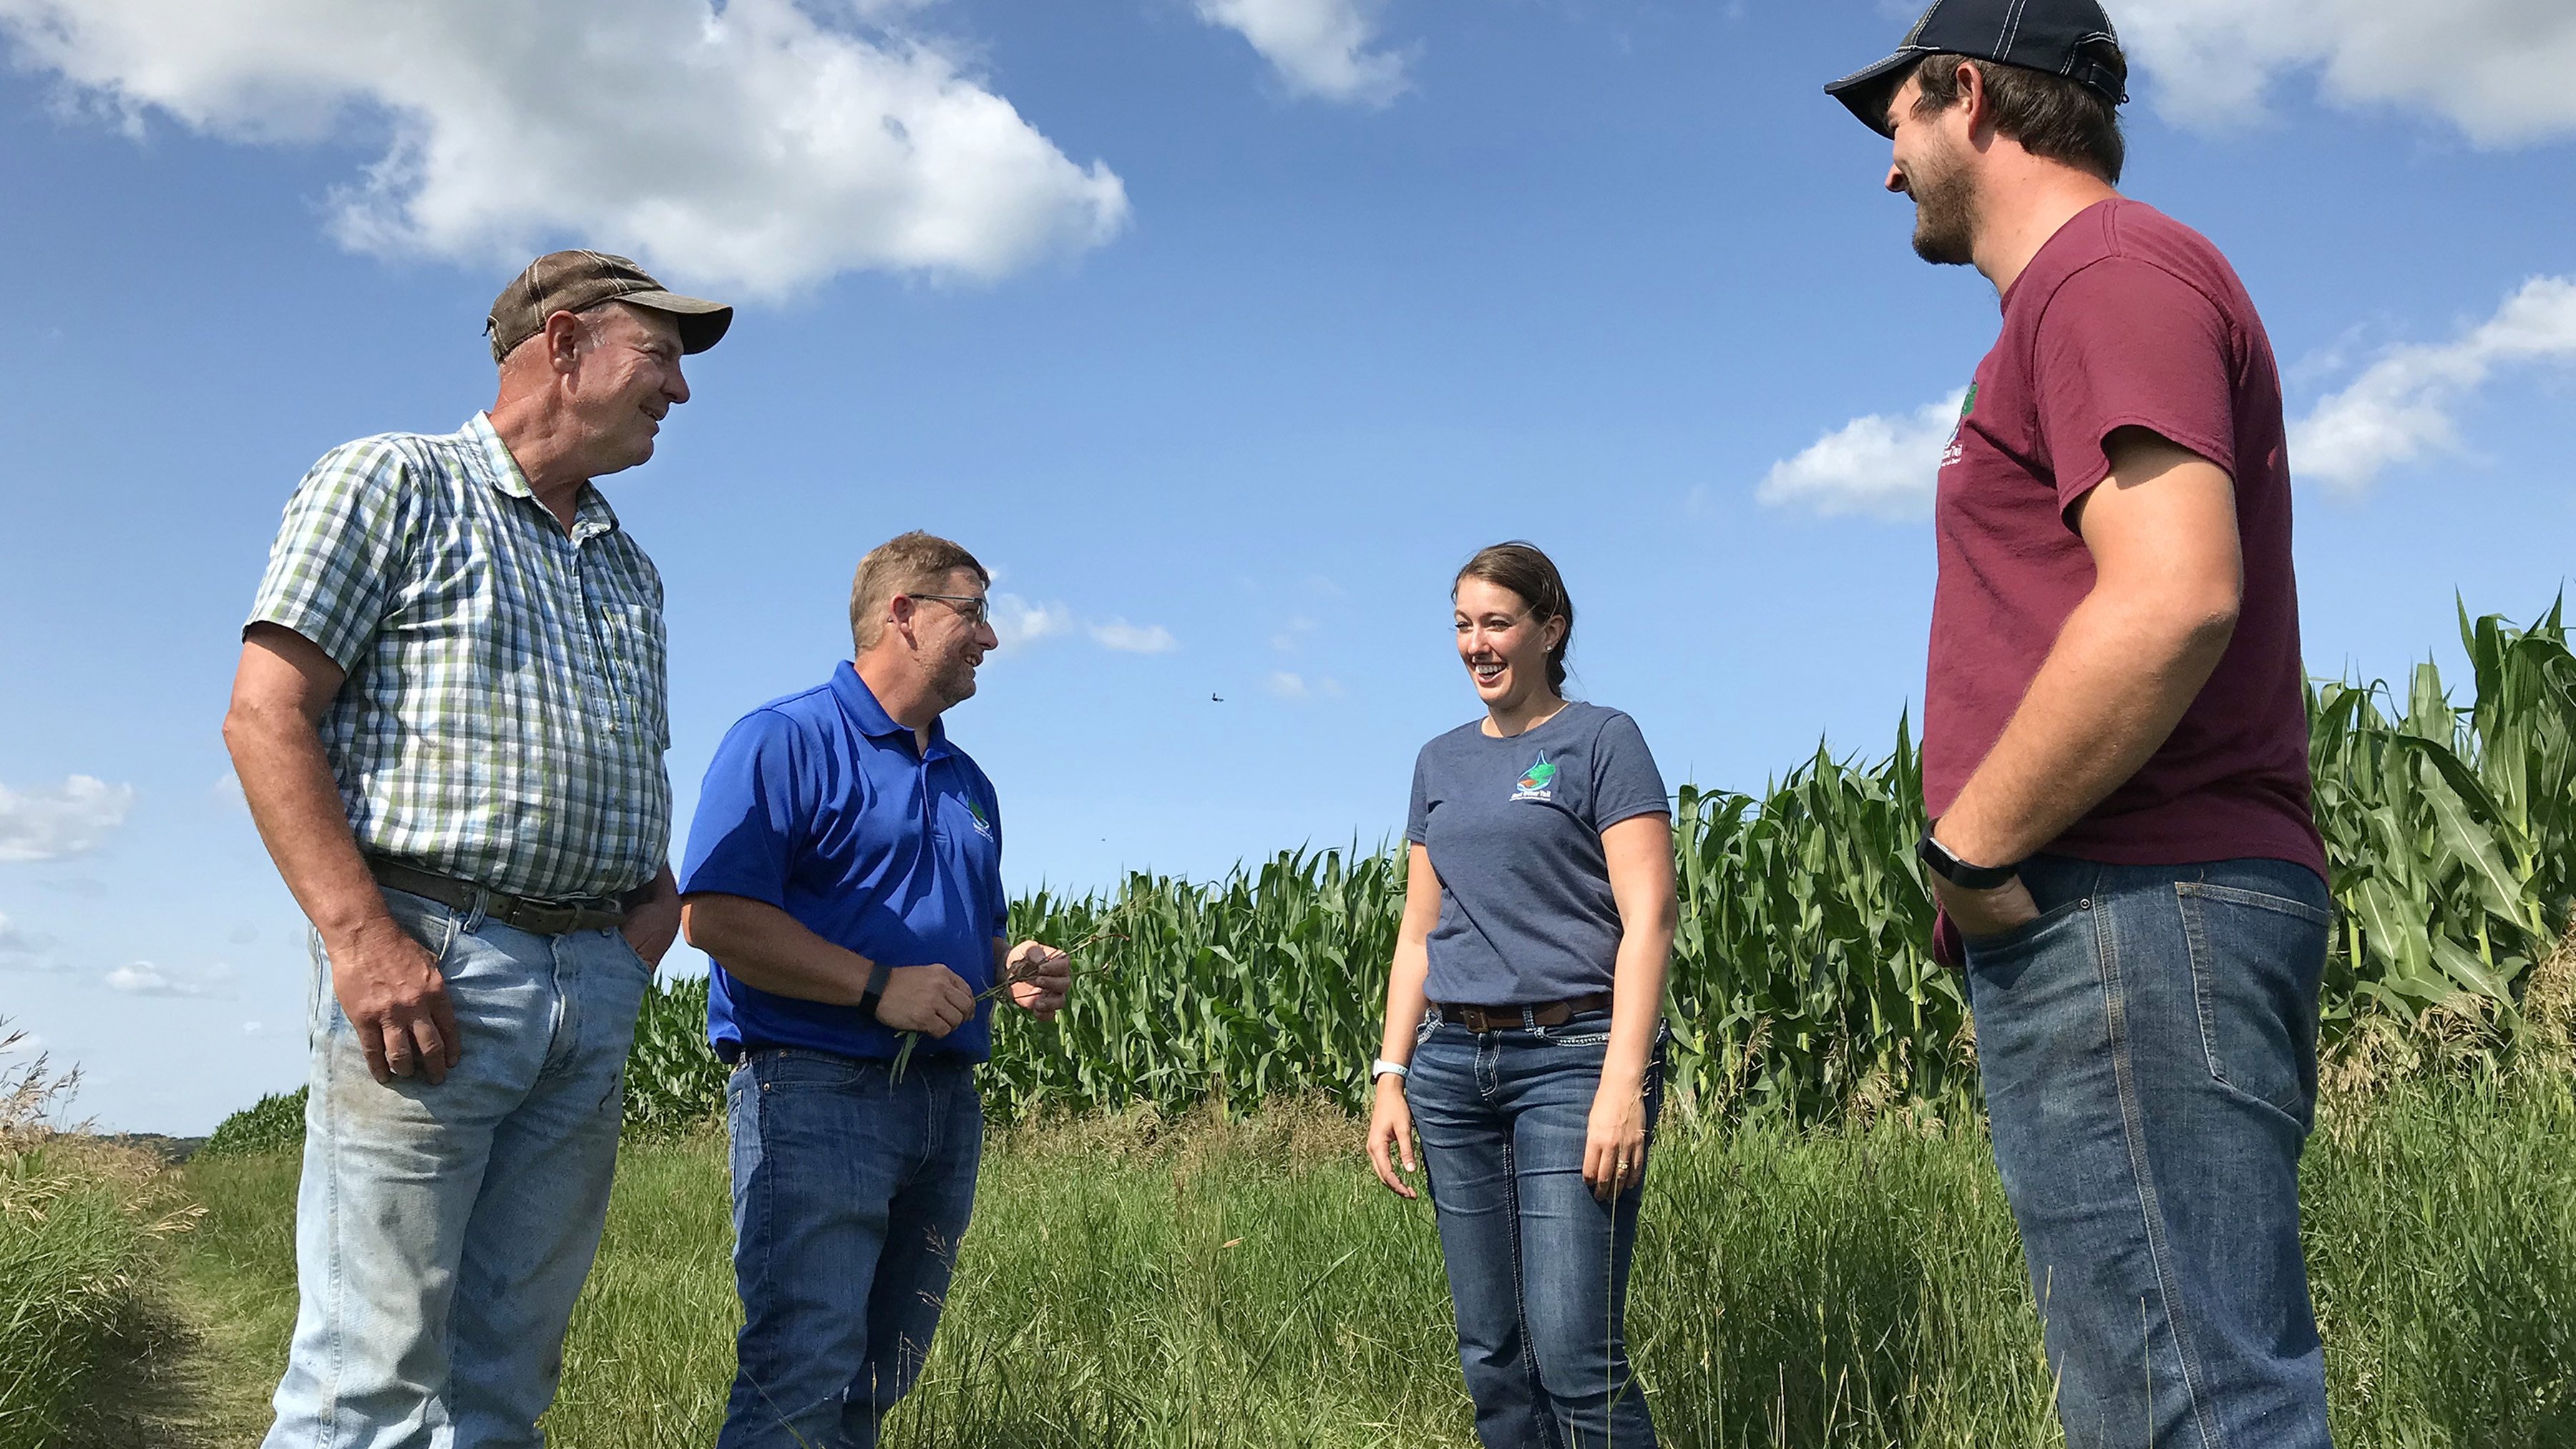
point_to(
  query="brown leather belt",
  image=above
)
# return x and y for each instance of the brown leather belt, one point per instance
(1482, 1019)
(537, 918)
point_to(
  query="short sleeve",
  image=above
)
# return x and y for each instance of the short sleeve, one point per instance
(339, 551)
(752, 814)
(1417, 816)
(2125, 343)
(1625, 782)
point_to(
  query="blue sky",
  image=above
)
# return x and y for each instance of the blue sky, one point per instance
(1222, 329)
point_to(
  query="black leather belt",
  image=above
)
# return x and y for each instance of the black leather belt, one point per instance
(537, 918)
(1482, 1019)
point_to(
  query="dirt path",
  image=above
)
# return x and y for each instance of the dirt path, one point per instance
(181, 1379)
(194, 1366)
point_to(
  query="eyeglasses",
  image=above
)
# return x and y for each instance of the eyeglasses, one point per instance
(977, 609)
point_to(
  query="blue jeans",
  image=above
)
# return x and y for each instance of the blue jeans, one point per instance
(851, 1192)
(2148, 1047)
(1538, 1268)
(442, 1233)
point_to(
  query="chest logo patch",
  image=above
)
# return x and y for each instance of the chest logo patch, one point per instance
(1967, 404)
(1538, 782)
(983, 827)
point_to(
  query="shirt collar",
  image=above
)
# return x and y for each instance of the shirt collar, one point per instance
(591, 515)
(860, 703)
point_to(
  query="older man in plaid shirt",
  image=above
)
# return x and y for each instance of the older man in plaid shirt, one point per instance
(449, 723)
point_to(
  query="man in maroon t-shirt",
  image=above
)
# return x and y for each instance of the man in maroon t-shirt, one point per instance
(2115, 749)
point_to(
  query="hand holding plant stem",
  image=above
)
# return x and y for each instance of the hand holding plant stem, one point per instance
(1031, 964)
(1035, 977)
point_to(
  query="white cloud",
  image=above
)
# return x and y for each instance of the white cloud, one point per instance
(30, 951)
(1320, 47)
(2497, 69)
(1880, 465)
(755, 146)
(251, 1028)
(1020, 622)
(65, 819)
(142, 978)
(1129, 638)
(24, 950)
(2400, 407)
(1297, 687)
(1292, 634)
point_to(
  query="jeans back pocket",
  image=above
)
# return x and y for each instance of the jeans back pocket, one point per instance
(2256, 961)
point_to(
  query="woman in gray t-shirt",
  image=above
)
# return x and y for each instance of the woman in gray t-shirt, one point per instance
(1524, 1015)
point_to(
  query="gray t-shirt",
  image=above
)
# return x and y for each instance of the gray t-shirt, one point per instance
(1514, 830)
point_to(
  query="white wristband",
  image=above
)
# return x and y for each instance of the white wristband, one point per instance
(1382, 1066)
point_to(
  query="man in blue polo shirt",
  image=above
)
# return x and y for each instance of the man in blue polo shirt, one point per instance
(844, 872)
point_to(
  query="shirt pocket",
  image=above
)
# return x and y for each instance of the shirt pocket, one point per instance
(632, 635)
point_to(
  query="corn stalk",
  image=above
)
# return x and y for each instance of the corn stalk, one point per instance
(1802, 983)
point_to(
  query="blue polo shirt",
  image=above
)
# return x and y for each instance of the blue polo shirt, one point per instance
(821, 805)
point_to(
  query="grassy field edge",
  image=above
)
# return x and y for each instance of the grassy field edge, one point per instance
(1141, 1279)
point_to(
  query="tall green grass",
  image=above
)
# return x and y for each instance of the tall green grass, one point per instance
(1136, 1280)
(82, 1225)
(1802, 986)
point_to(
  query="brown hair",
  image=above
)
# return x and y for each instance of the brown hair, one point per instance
(1521, 568)
(900, 565)
(2051, 116)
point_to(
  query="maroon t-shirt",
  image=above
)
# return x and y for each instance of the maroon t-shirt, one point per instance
(2124, 318)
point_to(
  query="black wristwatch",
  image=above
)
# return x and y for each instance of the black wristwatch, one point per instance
(1958, 872)
(875, 993)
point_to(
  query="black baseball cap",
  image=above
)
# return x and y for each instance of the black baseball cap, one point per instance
(2049, 35)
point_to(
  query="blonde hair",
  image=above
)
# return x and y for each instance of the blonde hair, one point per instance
(904, 564)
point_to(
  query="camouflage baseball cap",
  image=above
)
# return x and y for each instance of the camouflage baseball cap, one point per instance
(578, 281)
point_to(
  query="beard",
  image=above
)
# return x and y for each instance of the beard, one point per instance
(955, 683)
(1945, 212)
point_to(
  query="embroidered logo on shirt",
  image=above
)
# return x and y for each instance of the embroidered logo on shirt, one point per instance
(1537, 782)
(983, 827)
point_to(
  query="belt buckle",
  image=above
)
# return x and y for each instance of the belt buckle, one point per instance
(1478, 1020)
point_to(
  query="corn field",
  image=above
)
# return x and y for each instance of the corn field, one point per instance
(1802, 981)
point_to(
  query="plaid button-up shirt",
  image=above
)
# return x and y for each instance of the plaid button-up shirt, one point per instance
(503, 720)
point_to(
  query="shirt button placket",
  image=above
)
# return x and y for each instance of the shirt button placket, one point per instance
(595, 683)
